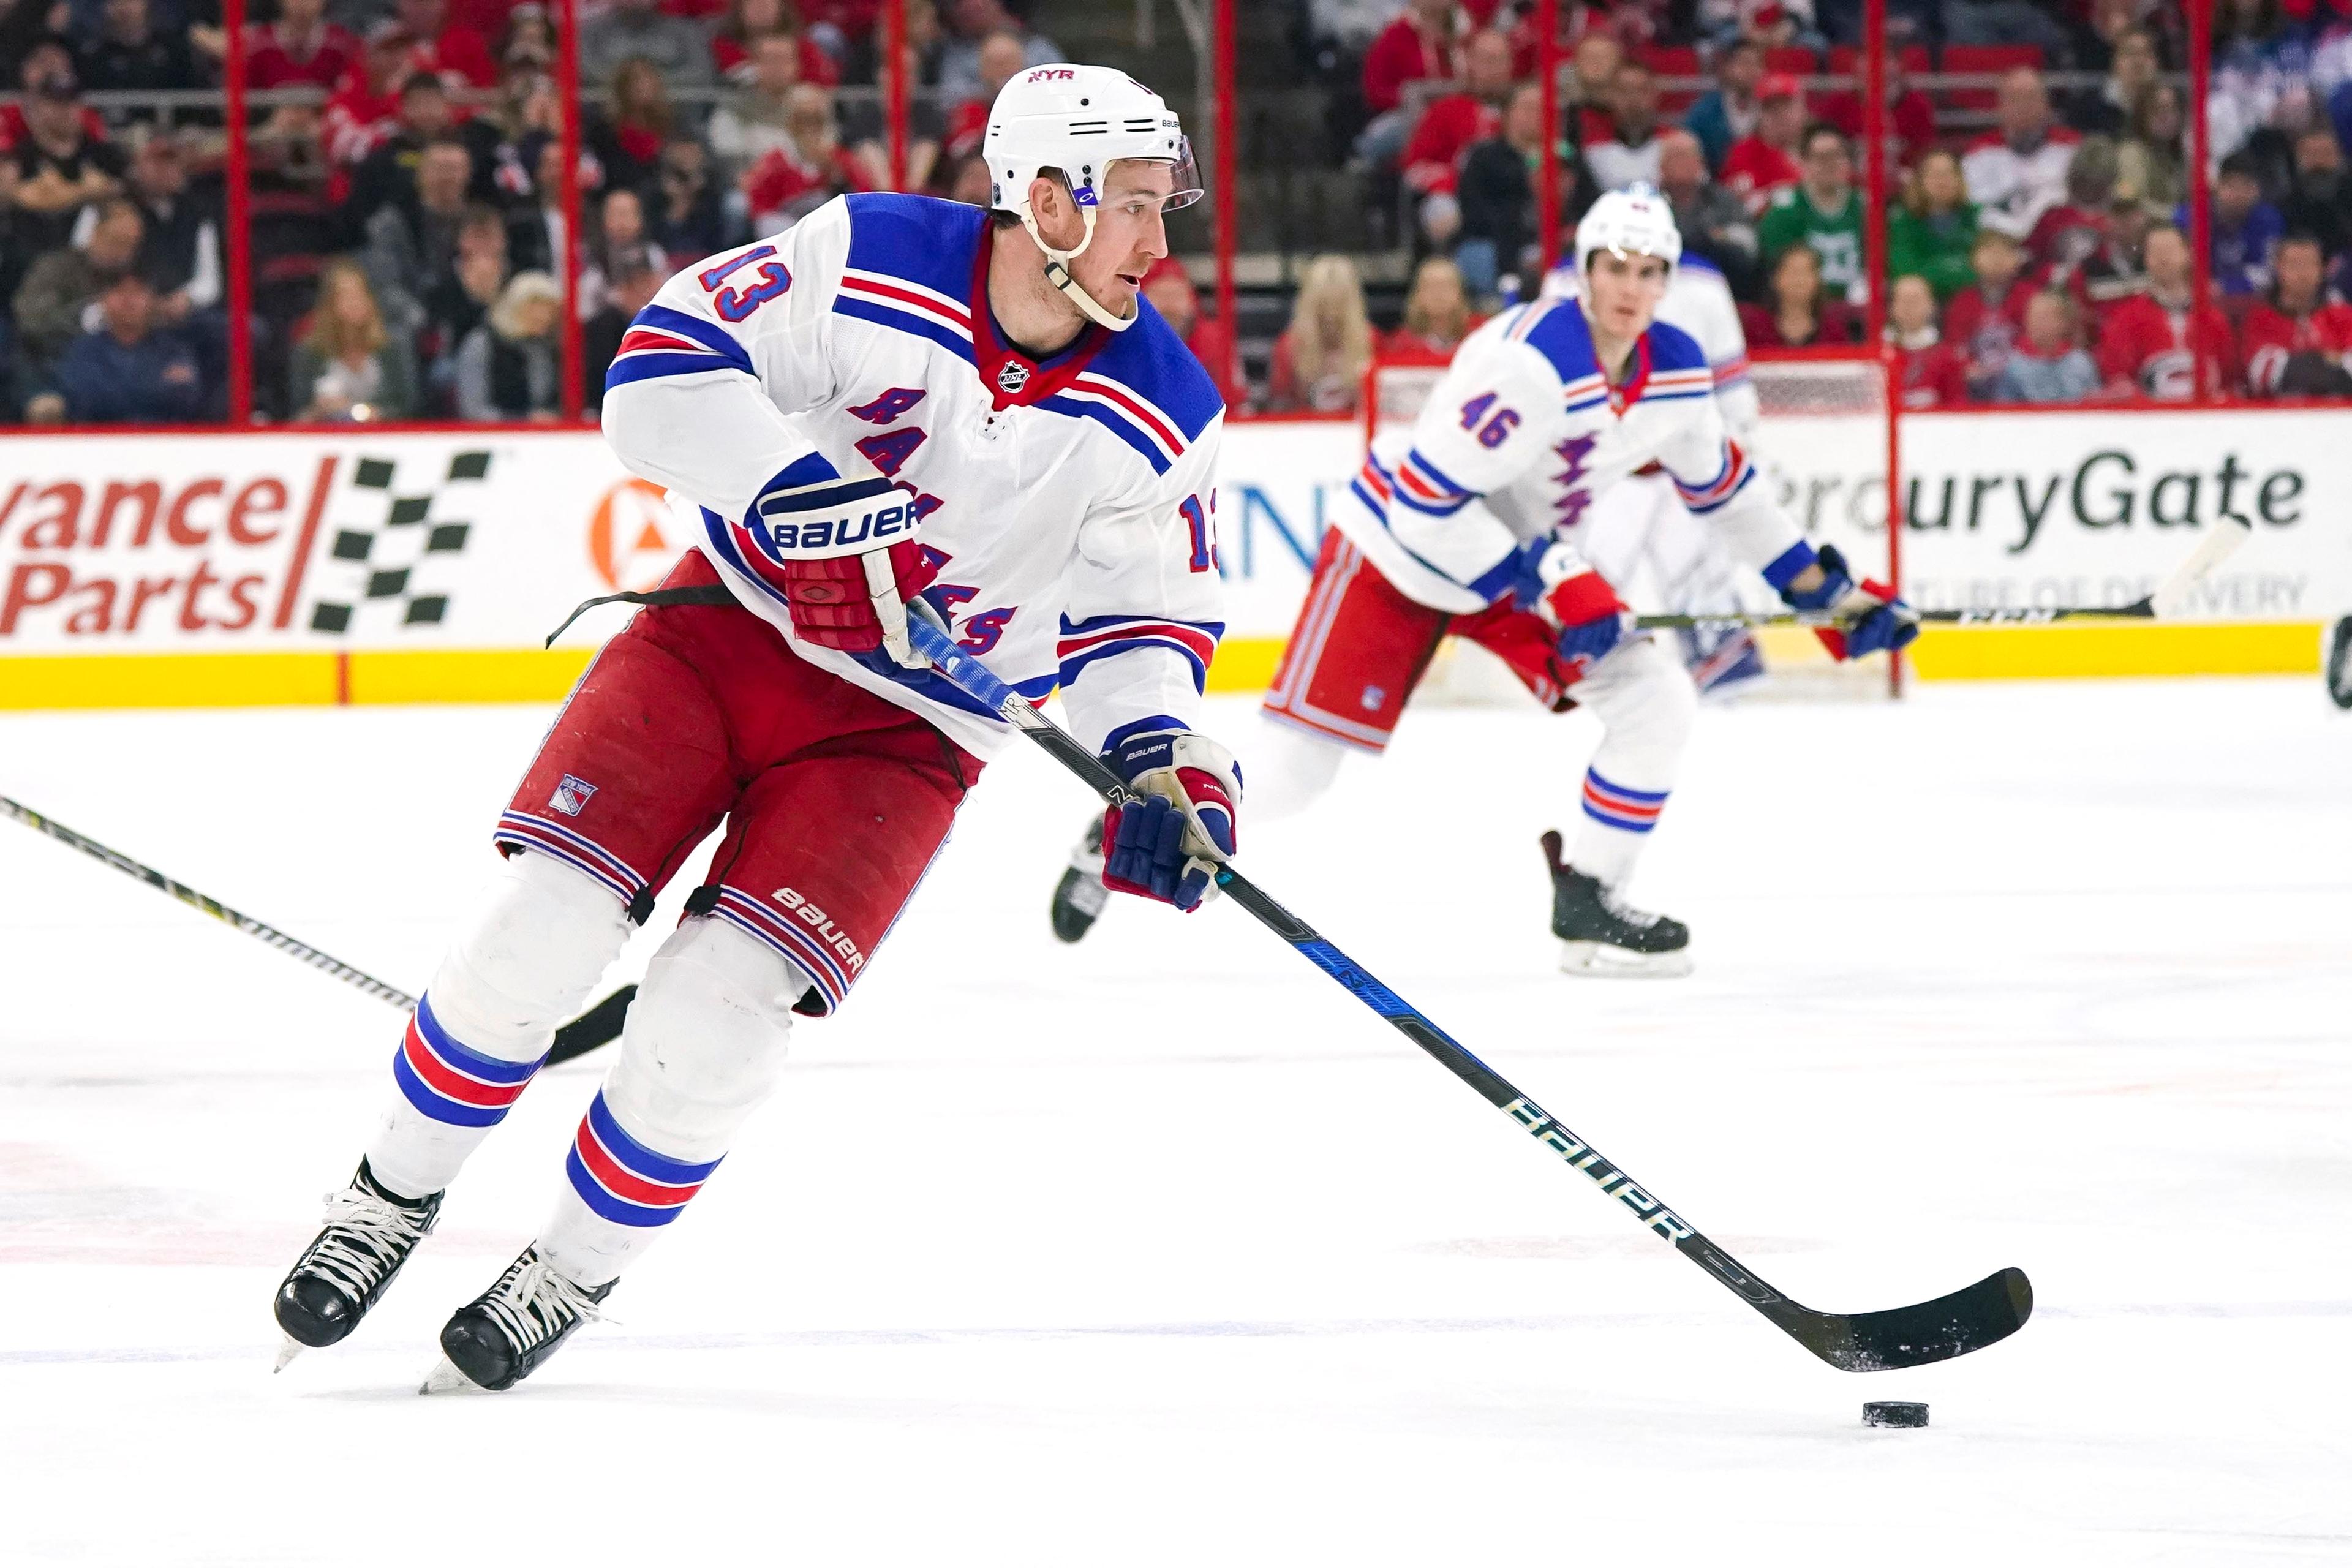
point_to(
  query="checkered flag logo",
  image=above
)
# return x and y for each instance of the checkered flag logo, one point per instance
(388, 533)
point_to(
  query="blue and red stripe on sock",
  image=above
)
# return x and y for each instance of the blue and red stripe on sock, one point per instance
(623, 1181)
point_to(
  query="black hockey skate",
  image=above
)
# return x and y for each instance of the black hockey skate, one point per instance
(500, 1338)
(1601, 935)
(369, 1234)
(1080, 895)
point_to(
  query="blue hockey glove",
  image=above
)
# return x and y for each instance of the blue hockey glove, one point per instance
(1166, 845)
(1555, 582)
(1869, 617)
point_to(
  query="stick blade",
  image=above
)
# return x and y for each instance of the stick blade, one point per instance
(1984, 1314)
(593, 1029)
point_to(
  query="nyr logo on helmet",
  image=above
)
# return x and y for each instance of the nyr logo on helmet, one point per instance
(1052, 73)
(1012, 375)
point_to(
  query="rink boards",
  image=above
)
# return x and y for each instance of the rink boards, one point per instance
(393, 566)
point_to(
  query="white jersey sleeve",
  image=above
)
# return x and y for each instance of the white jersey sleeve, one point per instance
(1714, 476)
(1699, 302)
(1145, 604)
(702, 397)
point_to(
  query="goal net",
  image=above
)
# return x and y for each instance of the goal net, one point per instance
(1822, 445)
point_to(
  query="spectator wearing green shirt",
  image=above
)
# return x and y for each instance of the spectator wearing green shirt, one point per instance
(1822, 210)
(1932, 229)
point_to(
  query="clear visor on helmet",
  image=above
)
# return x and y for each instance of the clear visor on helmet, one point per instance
(1183, 181)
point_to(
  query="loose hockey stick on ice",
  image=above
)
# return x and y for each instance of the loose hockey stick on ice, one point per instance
(1990, 1310)
(585, 1033)
(2167, 600)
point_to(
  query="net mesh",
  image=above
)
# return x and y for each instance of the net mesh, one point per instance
(1820, 443)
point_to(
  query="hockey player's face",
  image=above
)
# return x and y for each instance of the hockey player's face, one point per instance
(1129, 234)
(1625, 292)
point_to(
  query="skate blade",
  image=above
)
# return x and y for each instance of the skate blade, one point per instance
(445, 1378)
(1600, 961)
(289, 1347)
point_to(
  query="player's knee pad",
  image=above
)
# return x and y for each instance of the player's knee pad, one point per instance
(542, 936)
(705, 1041)
(1285, 770)
(1645, 698)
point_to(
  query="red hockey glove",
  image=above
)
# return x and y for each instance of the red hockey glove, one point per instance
(858, 603)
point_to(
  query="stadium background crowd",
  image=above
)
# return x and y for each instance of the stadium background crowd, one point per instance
(408, 229)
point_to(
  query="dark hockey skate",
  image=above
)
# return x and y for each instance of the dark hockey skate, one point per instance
(1080, 895)
(501, 1336)
(1601, 934)
(369, 1234)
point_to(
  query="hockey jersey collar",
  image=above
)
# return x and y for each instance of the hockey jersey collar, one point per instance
(1011, 377)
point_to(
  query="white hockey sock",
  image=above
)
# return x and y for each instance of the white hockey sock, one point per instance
(1646, 703)
(1285, 770)
(705, 1041)
(542, 936)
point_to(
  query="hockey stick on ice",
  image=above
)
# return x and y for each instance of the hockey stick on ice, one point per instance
(2167, 600)
(584, 1033)
(1990, 1310)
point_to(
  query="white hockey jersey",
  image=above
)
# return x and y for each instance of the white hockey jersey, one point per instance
(1068, 503)
(1698, 301)
(1520, 436)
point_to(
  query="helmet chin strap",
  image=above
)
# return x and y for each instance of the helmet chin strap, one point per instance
(1057, 272)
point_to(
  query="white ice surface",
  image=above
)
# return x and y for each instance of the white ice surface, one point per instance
(1164, 1250)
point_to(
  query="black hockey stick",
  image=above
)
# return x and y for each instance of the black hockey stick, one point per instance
(1990, 1310)
(584, 1033)
(2165, 600)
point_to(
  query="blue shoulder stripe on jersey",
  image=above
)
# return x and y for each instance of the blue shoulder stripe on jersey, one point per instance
(922, 239)
(709, 334)
(1693, 262)
(1117, 423)
(912, 321)
(652, 366)
(1671, 348)
(1151, 360)
(1562, 338)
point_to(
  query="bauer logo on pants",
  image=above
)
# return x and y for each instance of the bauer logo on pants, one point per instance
(571, 796)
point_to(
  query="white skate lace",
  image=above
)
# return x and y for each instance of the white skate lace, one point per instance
(1640, 918)
(533, 1303)
(364, 1239)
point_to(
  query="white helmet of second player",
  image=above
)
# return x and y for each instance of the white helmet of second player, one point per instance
(1635, 221)
(1080, 120)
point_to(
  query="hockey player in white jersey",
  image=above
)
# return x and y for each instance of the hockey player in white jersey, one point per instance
(1472, 525)
(1643, 523)
(897, 398)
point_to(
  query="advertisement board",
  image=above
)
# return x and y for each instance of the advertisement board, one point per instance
(458, 550)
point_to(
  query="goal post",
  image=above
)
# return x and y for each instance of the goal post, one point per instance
(1825, 442)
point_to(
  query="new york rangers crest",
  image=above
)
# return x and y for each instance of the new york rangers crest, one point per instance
(1012, 375)
(571, 796)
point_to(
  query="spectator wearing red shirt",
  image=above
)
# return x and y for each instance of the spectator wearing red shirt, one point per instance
(365, 110)
(1798, 312)
(2068, 235)
(1929, 370)
(1759, 164)
(1983, 322)
(2298, 340)
(1449, 128)
(1418, 45)
(1170, 290)
(1002, 55)
(301, 49)
(1910, 116)
(456, 54)
(2152, 340)
(809, 170)
(737, 40)
(1437, 317)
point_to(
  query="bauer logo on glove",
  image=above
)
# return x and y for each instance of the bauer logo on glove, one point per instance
(1167, 844)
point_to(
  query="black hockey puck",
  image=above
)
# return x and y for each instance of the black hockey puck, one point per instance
(1894, 1413)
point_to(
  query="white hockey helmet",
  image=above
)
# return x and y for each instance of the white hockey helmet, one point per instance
(1635, 221)
(1079, 121)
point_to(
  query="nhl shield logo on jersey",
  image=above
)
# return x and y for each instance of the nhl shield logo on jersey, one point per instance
(1012, 375)
(571, 796)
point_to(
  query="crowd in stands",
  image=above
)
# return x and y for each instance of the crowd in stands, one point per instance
(2036, 229)
(409, 223)
(411, 229)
